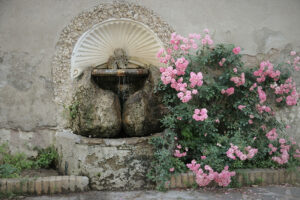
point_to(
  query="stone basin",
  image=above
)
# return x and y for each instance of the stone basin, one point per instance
(123, 82)
(111, 164)
(120, 72)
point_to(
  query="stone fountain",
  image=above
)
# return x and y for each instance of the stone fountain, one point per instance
(116, 99)
(111, 107)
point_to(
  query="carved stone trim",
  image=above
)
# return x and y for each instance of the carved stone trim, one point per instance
(129, 38)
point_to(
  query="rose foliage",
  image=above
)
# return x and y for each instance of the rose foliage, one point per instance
(221, 115)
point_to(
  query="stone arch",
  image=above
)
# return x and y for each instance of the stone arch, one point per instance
(61, 65)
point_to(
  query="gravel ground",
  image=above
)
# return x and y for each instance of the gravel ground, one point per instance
(255, 193)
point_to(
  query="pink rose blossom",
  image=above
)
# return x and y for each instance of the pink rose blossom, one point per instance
(236, 50)
(272, 135)
(235, 150)
(273, 149)
(241, 107)
(239, 80)
(200, 115)
(172, 169)
(266, 70)
(196, 79)
(253, 86)
(228, 91)
(262, 94)
(278, 99)
(178, 154)
(282, 141)
(293, 53)
(222, 62)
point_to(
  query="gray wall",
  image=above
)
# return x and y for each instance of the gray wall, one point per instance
(29, 30)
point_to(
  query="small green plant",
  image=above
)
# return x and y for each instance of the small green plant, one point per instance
(47, 158)
(258, 181)
(235, 183)
(246, 179)
(11, 165)
(9, 195)
(8, 171)
(19, 160)
(73, 110)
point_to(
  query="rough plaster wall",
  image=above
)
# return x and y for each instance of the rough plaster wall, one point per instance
(30, 29)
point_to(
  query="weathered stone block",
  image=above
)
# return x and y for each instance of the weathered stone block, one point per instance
(38, 186)
(72, 183)
(58, 184)
(3, 185)
(185, 180)
(94, 112)
(173, 182)
(276, 178)
(30, 186)
(281, 174)
(178, 181)
(82, 183)
(53, 186)
(65, 183)
(46, 185)
(191, 178)
(114, 164)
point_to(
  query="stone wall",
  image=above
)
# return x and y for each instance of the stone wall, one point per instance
(30, 32)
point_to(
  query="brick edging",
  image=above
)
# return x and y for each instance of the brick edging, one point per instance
(44, 185)
(243, 177)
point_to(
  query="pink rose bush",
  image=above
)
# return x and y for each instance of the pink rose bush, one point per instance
(203, 179)
(221, 113)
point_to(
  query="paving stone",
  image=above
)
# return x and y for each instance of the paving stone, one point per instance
(249, 193)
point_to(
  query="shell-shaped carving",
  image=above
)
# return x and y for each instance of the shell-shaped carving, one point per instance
(96, 45)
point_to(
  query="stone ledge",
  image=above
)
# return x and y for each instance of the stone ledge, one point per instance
(243, 177)
(44, 185)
